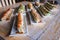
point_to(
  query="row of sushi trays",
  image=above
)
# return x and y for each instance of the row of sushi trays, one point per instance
(26, 14)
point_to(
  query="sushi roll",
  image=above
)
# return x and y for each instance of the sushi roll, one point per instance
(36, 16)
(30, 6)
(42, 11)
(37, 3)
(21, 8)
(20, 23)
(43, 8)
(46, 7)
(49, 5)
(6, 15)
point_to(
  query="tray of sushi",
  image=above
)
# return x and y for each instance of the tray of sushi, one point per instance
(24, 14)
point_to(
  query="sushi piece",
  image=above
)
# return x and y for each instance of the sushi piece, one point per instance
(30, 6)
(37, 3)
(21, 8)
(6, 15)
(20, 23)
(49, 5)
(36, 16)
(42, 11)
(39, 12)
(43, 8)
(46, 7)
